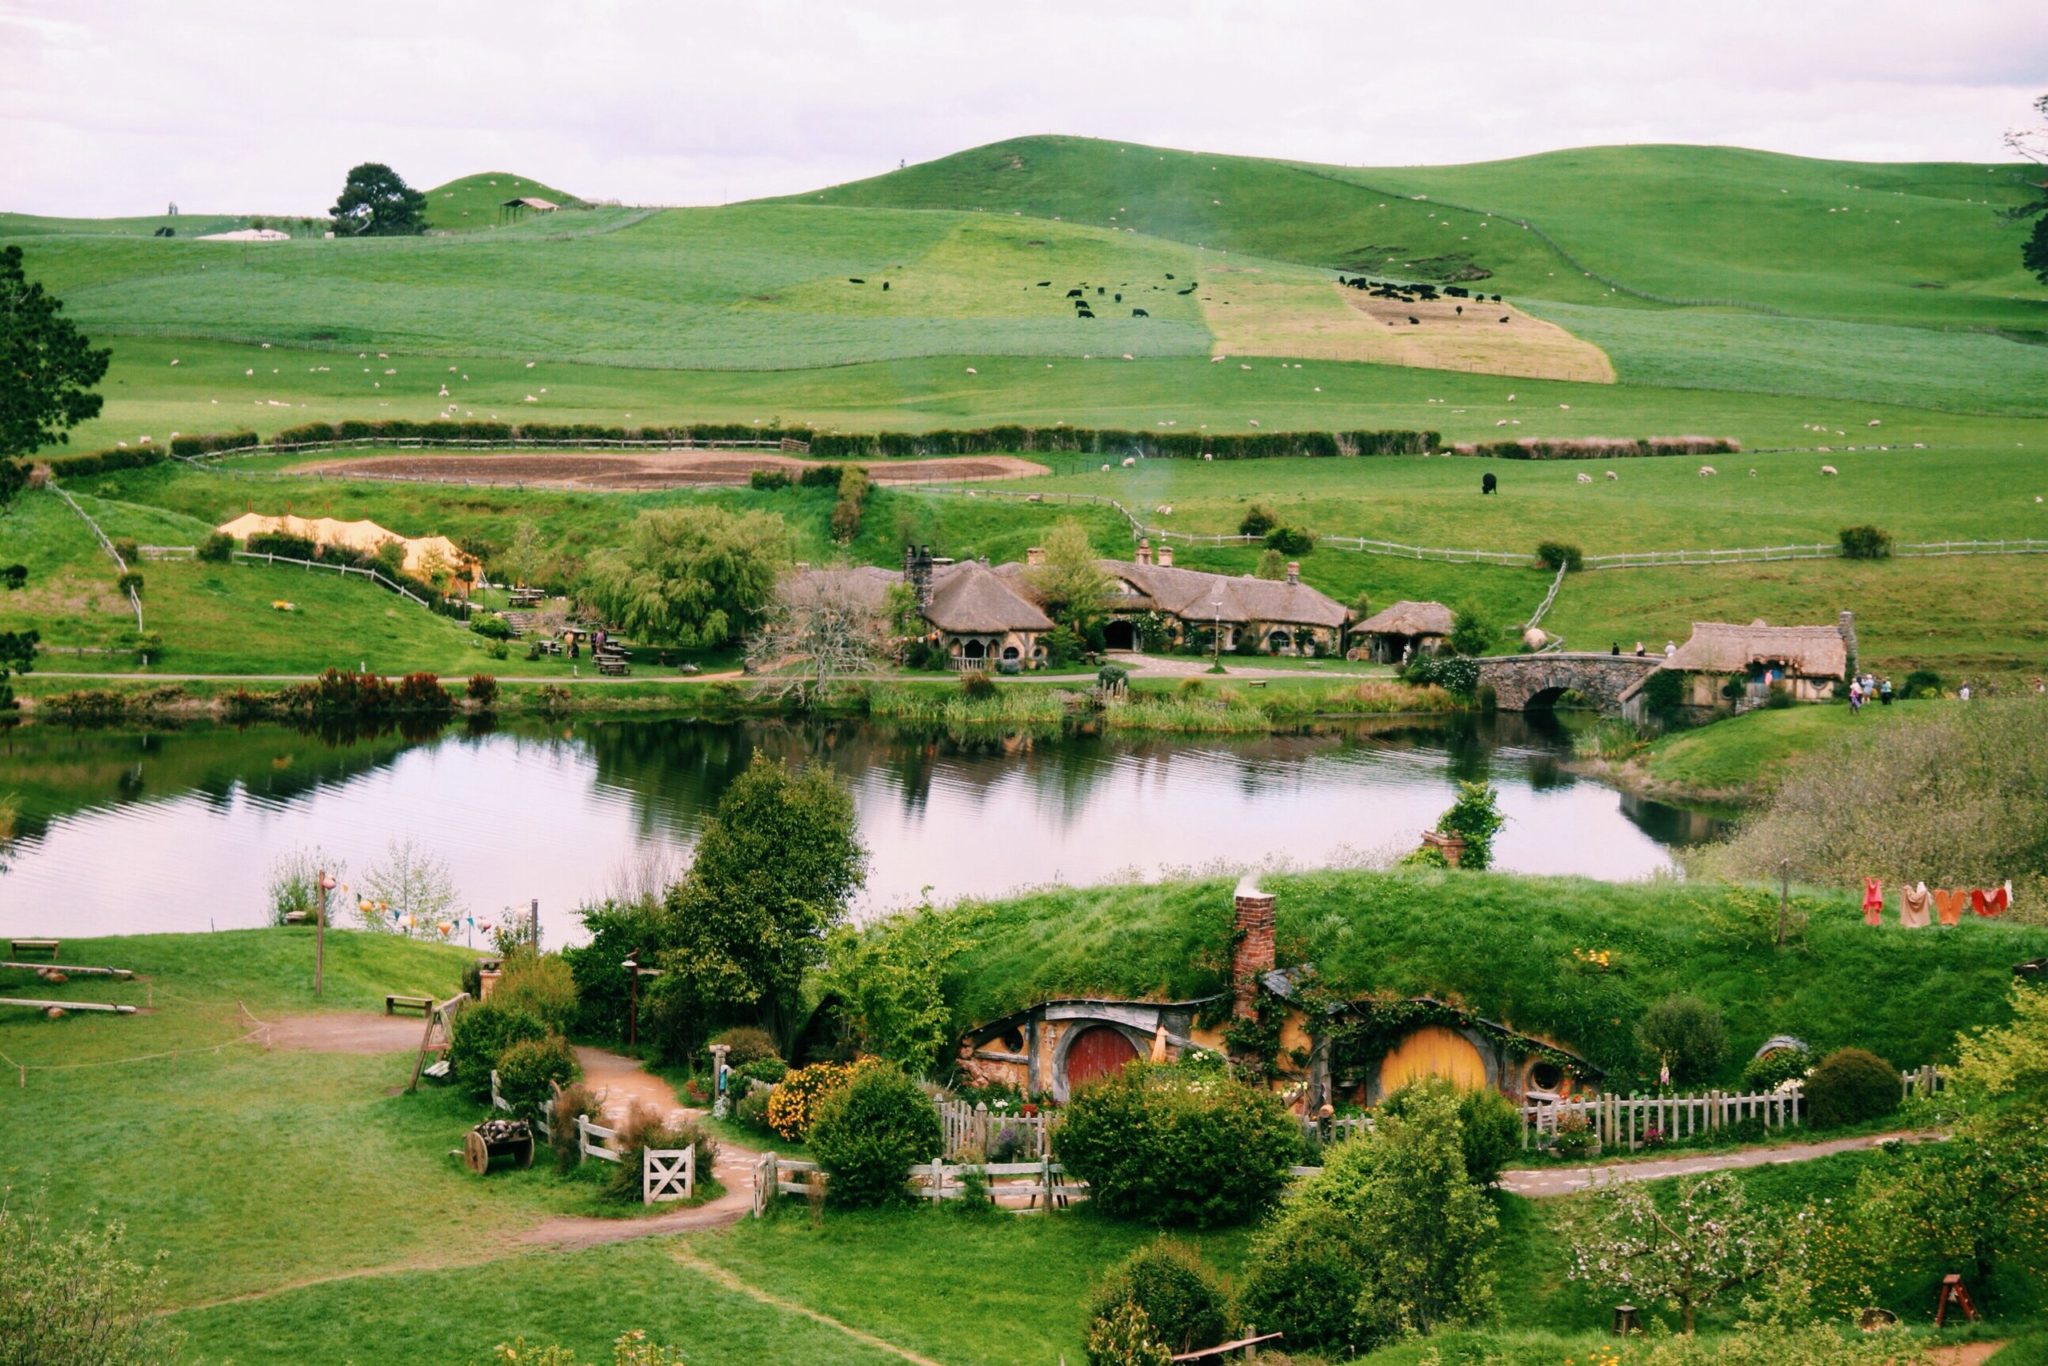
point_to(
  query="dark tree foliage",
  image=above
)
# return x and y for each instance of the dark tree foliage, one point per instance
(376, 202)
(2034, 255)
(47, 369)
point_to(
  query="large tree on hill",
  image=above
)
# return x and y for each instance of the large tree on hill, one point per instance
(695, 577)
(47, 370)
(2032, 143)
(376, 202)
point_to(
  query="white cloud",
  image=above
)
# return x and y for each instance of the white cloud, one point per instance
(115, 106)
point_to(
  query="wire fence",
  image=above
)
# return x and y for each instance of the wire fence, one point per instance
(134, 598)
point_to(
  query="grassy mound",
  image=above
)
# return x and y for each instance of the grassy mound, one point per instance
(473, 201)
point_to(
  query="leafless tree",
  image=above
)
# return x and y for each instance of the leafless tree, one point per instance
(815, 632)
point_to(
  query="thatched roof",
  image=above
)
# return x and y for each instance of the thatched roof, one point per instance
(1195, 596)
(864, 584)
(1405, 618)
(969, 598)
(1723, 647)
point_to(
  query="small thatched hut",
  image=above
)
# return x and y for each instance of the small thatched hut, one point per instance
(1808, 661)
(1405, 628)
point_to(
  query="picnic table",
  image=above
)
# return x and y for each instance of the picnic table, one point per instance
(614, 665)
(48, 947)
(527, 597)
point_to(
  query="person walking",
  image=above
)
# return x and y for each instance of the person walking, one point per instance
(1855, 696)
(1884, 693)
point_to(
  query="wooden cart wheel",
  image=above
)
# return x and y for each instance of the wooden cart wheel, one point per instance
(476, 1154)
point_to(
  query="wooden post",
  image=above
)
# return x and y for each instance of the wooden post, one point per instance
(1784, 897)
(326, 885)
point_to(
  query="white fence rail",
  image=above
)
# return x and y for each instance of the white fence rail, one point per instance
(1005, 1183)
(264, 557)
(1632, 1121)
(978, 1129)
(134, 598)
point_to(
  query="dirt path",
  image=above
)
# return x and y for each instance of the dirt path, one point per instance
(651, 469)
(1541, 1182)
(687, 1257)
(346, 1033)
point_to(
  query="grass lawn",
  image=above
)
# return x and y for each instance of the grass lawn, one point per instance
(1741, 757)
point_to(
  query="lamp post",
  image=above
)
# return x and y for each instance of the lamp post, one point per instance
(325, 882)
(1216, 635)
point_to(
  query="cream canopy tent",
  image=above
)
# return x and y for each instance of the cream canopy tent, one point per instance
(423, 554)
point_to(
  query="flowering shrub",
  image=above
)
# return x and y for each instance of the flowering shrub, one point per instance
(1598, 960)
(793, 1105)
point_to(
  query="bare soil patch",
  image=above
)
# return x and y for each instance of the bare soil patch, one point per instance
(347, 1033)
(642, 470)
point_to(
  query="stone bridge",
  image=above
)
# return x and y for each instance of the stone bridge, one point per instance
(1533, 682)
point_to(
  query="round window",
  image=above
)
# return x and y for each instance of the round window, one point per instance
(1546, 1076)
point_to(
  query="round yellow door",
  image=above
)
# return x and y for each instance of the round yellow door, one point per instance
(1432, 1051)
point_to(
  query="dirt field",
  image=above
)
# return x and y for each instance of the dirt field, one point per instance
(650, 469)
(1317, 321)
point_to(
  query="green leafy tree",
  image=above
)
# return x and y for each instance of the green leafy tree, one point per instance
(1686, 1252)
(47, 371)
(774, 869)
(2034, 254)
(376, 202)
(890, 982)
(1069, 583)
(2032, 143)
(1471, 632)
(1271, 565)
(76, 1299)
(694, 577)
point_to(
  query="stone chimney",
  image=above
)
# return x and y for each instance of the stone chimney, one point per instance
(1294, 571)
(1252, 956)
(1144, 550)
(1165, 556)
(1035, 555)
(1846, 624)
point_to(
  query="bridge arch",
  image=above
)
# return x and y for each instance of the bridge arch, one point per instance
(1535, 682)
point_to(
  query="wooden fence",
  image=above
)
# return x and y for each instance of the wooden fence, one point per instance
(937, 1181)
(264, 557)
(976, 1128)
(134, 598)
(542, 1123)
(477, 443)
(1627, 1121)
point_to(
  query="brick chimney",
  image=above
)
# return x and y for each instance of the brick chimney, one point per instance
(1035, 555)
(1144, 550)
(1165, 556)
(1252, 957)
(1294, 571)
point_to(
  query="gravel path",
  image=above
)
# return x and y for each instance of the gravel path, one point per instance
(1539, 1182)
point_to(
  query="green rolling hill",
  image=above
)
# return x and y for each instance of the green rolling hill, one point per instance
(473, 201)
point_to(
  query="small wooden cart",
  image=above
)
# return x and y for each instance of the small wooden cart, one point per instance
(498, 1143)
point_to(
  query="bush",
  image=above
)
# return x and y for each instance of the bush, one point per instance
(483, 691)
(1556, 555)
(1291, 540)
(1062, 647)
(1850, 1086)
(747, 1044)
(750, 1111)
(768, 481)
(74, 1297)
(1489, 1126)
(279, 544)
(1455, 674)
(130, 582)
(796, 1098)
(482, 1034)
(540, 985)
(526, 1069)
(1181, 1300)
(977, 686)
(1173, 1145)
(1304, 1278)
(1123, 1337)
(1685, 1032)
(423, 694)
(643, 1129)
(1922, 683)
(491, 626)
(1257, 521)
(1471, 632)
(216, 547)
(868, 1133)
(1475, 817)
(1781, 1065)
(1865, 543)
(768, 1071)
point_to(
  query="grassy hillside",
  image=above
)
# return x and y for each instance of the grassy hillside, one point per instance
(1503, 946)
(472, 201)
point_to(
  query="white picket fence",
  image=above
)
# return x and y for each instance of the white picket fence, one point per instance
(1628, 1121)
(976, 1128)
(936, 1181)
(665, 1173)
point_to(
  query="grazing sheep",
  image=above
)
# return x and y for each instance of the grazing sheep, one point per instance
(1752, 472)
(1874, 422)
(1488, 482)
(1164, 509)
(1105, 469)
(1612, 475)
(1585, 479)
(1130, 460)
(1829, 469)
(1252, 421)
(1708, 471)
(972, 371)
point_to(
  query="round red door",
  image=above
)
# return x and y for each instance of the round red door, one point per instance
(1096, 1051)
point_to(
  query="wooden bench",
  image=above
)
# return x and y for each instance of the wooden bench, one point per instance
(47, 947)
(614, 667)
(421, 1004)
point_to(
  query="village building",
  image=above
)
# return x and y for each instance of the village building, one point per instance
(973, 612)
(1402, 630)
(1325, 1052)
(1277, 616)
(1727, 665)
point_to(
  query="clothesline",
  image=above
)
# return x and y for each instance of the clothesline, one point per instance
(1947, 903)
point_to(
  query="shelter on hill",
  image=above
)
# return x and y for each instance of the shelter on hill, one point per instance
(1405, 628)
(1809, 662)
(1326, 1052)
(525, 204)
(425, 556)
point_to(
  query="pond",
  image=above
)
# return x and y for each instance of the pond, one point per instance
(127, 832)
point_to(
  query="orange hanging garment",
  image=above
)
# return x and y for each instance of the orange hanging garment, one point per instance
(1948, 906)
(1873, 900)
(1994, 902)
(1913, 904)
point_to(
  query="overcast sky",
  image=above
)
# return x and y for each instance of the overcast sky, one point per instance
(117, 106)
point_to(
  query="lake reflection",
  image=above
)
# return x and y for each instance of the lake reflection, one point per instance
(124, 832)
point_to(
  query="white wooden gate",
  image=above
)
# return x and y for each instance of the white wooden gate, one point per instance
(667, 1174)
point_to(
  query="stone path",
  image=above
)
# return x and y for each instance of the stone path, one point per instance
(1539, 1182)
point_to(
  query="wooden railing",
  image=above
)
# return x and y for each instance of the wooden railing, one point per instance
(936, 1181)
(975, 1128)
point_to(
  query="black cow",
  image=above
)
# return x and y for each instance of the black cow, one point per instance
(1073, 294)
(1415, 321)
(1461, 310)
(1139, 313)
(1503, 319)
(885, 286)
(1487, 483)
(1043, 283)
(855, 280)
(1119, 298)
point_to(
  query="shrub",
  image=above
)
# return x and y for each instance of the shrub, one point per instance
(1475, 816)
(1455, 674)
(1258, 519)
(1849, 1086)
(491, 626)
(1062, 647)
(642, 1129)
(130, 582)
(751, 1111)
(794, 1103)
(540, 985)
(1304, 1278)
(75, 1297)
(422, 693)
(482, 690)
(1555, 555)
(768, 481)
(1291, 540)
(1124, 1337)
(1922, 683)
(977, 686)
(1865, 543)
(1776, 1068)
(280, 544)
(1182, 1303)
(747, 1043)
(127, 548)
(820, 476)
(1489, 1126)
(482, 1034)
(1471, 632)
(1173, 1145)
(868, 1133)
(216, 547)
(1685, 1032)
(526, 1069)
(769, 1071)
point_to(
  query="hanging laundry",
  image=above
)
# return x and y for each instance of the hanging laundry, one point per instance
(1994, 902)
(1873, 900)
(1913, 906)
(1949, 905)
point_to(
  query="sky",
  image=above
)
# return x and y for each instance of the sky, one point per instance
(119, 106)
